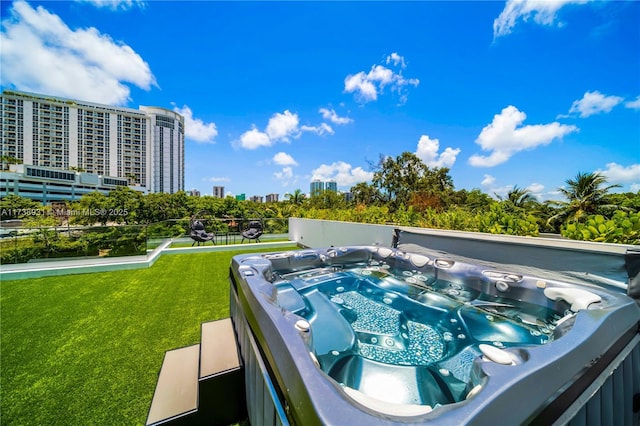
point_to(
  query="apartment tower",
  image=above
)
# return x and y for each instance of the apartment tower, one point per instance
(144, 146)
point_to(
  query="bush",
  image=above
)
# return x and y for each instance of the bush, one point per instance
(499, 221)
(49, 243)
(622, 228)
(20, 254)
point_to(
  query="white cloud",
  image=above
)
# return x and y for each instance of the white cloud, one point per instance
(542, 12)
(506, 136)
(331, 115)
(319, 130)
(367, 87)
(615, 173)
(40, 53)
(488, 180)
(217, 179)
(254, 138)
(536, 189)
(282, 126)
(635, 104)
(396, 59)
(114, 4)
(428, 152)
(195, 128)
(594, 103)
(284, 159)
(500, 191)
(343, 173)
(284, 176)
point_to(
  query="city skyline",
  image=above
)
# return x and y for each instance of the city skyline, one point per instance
(504, 94)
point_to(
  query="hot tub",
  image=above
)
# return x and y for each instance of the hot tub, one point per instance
(375, 335)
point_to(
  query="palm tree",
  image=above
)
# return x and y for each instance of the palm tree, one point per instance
(519, 197)
(296, 198)
(585, 195)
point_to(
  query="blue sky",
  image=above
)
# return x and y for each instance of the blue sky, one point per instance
(275, 94)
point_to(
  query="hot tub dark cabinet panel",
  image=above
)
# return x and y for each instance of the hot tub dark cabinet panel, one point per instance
(378, 336)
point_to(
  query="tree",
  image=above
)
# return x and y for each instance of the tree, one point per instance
(327, 200)
(297, 197)
(406, 177)
(16, 207)
(585, 195)
(91, 208)
(626, 200)
(366, 194)
(8, 159)
(519, 197)
(124, 205)
(474, 201)
(132, 179)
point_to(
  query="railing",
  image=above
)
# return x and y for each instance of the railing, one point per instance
(39, 244)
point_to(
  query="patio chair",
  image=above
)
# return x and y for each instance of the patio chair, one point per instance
(253, 232)
(199, 235)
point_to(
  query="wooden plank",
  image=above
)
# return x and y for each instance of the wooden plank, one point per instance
(176, 392)
(219, 350)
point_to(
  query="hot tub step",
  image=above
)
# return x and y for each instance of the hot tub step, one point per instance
(221, 378)
(176, 396)
(218, 348)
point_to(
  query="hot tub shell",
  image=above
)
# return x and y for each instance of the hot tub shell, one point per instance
(285, 384)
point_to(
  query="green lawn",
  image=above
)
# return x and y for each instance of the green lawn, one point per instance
(86, 349)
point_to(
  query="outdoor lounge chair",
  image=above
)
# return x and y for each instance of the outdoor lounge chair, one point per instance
(199, 235)
(253, 231)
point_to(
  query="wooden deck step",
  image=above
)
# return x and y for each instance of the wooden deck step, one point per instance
(176, 393)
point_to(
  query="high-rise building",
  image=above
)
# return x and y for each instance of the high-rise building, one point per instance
(331, 185)
(167, 149)
(194, 193)
(317, 187)
(218, 191)
(143, 146)
(256, 198)
(271, 198)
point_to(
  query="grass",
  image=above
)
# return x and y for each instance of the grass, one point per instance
(87, 349)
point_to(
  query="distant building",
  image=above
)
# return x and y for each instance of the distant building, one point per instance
(218, 191)
(316, 188)
(194, 193)
(256, 198)
(143, 146)
(241, 197)
(272, 198)
(348, 196)
(167, 150)
(49, 185)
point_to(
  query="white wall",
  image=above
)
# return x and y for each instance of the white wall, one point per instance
(326, 233)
